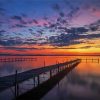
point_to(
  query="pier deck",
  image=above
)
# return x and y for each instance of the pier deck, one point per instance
(15, 79)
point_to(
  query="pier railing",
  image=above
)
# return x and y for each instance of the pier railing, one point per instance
(92, 60)
(4, 59)
(15, 79)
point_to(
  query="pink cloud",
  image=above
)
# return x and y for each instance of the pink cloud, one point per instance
(41, 22)
(97, 13)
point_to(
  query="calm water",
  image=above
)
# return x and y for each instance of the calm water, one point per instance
(83, 83)
(9, 67)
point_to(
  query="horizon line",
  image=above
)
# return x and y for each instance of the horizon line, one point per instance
(49, 54)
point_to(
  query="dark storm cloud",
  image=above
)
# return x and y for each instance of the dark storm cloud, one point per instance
(23, 21)
(10, 42)
(63, 40)
(95, 26)
(70, 39)
(19, 25)
(37, 33)
(15, 42)
(35, 21)
(17, 17)
(60, 26)
(78, 30)
(18, 48)
(2, 31)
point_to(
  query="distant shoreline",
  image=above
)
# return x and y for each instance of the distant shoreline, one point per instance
(41, 55)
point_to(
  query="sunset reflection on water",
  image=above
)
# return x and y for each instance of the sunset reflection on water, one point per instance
(82, 83)
(9, 67)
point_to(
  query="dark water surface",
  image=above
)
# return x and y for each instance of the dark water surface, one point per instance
(82, 83)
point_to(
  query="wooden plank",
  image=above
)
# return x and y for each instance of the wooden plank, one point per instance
(38, 92)
(9, 81)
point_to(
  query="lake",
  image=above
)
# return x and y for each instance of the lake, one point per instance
(82, 83)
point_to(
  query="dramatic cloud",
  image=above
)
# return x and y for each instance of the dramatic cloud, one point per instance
(18, 48)
(70, 39)
(56, 23)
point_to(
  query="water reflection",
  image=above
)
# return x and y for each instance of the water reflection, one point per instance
(82, 83)
(9, 67)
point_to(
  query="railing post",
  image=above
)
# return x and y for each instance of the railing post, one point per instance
(34, 80)
(58, 67)
(16, 84)
(50, 73)
(65, 67)
(38, 79)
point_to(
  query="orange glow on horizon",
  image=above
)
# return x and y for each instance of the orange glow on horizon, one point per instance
(91, 48)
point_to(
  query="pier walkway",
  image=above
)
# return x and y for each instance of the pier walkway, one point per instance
(14, 80)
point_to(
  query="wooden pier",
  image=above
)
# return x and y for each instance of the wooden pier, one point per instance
(38, 92)
(92, 60)
(16, 59)
(14, 80)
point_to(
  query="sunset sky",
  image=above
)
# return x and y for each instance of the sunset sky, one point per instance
(50, 27)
